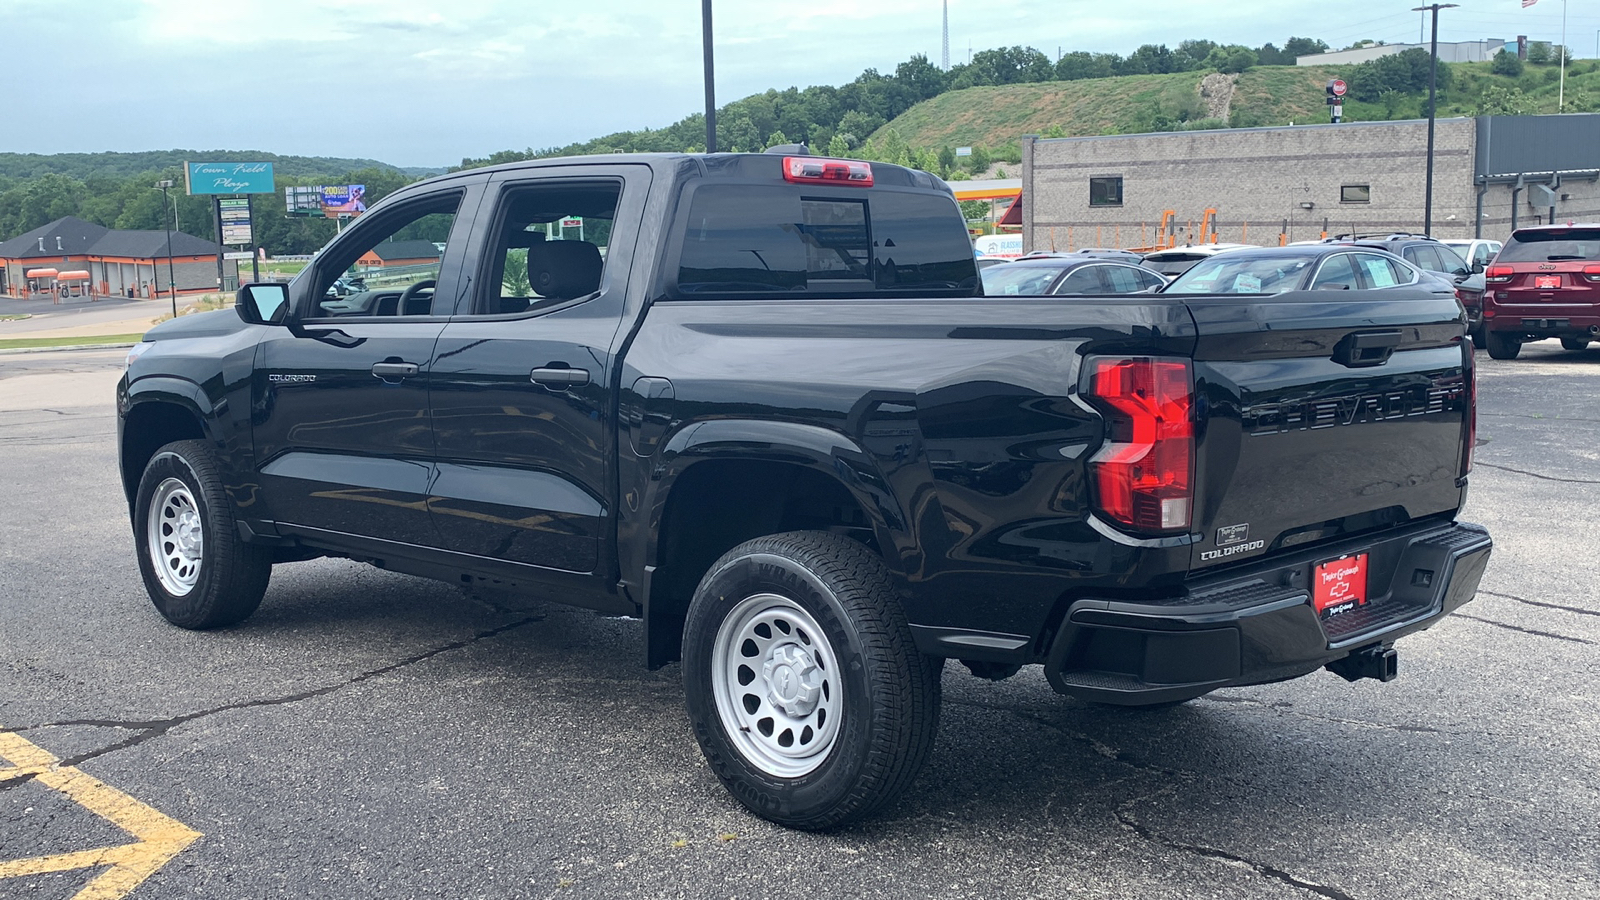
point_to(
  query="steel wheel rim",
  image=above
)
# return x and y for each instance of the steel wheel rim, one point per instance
(176, 537)
(776, 682)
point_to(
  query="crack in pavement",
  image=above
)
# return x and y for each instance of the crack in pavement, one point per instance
(1485, 415)
(154, 728)
(1571, 609)
(1286, 708)
(1125, 819)
(1485, 465)
(1548, 634)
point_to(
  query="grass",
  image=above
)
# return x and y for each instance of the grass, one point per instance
(15, 317)
(29, 343)
(995, 117)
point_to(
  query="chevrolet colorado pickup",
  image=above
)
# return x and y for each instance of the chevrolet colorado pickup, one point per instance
(760, 402)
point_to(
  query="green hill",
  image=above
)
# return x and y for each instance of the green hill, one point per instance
(997, 117)
(124, 165)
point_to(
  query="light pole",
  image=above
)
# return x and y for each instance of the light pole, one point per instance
(1433, 70)
(166, 209)
(711, 84)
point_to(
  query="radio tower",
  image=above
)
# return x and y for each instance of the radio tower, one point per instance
(944, 58)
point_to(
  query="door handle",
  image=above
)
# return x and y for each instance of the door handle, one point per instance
(556, 377)
(387, 370)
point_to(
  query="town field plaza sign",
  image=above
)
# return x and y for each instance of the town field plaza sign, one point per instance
(229, 177)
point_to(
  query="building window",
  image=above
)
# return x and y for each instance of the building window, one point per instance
(1355, 193)
(1105, 191)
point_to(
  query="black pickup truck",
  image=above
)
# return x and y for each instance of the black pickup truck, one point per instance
(759, 402)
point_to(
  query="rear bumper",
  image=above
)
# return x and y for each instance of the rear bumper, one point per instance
(1257, 625)
(1543, 322)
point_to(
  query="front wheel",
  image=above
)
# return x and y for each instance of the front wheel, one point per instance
(804, 686)
(199, 574)
(1502, 345)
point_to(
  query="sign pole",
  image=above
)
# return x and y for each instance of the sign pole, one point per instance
(255, 264)
(216, 218)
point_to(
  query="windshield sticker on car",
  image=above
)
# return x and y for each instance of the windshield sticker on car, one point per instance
(1378, 270)
(1247, 284)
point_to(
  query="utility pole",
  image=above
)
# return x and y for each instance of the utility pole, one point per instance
(1433, 73)
(166, 209)
(711, 89)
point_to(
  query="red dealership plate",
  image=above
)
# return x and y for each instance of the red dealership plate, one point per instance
(1339, 585)
(1544, 282)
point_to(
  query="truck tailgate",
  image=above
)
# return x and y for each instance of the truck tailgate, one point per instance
(1325, 416)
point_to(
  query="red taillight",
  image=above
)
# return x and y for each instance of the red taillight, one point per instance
(1591, 273)
(1144, 476)
(1498, 274)
(817, 170)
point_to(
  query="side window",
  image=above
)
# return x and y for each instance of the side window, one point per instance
(1336, 272)
(1081, 280)
(551, 247)
(1382, 272)
(387, 266)
(1125, 279)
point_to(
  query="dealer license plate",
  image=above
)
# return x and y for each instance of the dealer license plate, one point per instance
(1546, 282)
(1339, 585)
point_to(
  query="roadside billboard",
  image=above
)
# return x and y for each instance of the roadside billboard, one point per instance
(333, 201)
(229, 177)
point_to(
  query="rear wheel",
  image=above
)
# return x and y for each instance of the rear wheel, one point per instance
(199, 574)
(1574, 343)
(805, 689)
(1502, 345)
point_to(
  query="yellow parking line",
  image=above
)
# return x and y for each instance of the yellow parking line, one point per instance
(158, 837)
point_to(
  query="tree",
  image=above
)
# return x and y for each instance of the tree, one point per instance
(1506, 64)
(1149, 59)
(1272, 56)
(922, 78)
(1498, 100)
(775, 138)
(1539, 53)
(1191, 55)
(1299, 46)
(1231, 59)
(838, 146)
(1078, 65)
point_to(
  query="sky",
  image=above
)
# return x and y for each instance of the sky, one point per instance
(428, 82)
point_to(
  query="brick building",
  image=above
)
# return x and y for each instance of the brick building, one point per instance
(118, 263)
(1294, 183)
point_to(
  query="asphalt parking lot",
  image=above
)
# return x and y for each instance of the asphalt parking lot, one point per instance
(371, 735)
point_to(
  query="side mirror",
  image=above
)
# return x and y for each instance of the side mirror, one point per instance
(263, 304)
(1478, 267)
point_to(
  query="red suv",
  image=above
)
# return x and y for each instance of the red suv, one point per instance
(1545, 283)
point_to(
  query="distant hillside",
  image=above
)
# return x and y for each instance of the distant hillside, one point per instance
(998, 116)
(124, 165)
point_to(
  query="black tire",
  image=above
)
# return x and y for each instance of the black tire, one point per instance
(1475, 333)
(1501, 345)
(884, 694)
(227, 578)
(1574, 343)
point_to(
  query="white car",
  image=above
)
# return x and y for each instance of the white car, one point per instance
(1478, 252)
(1175, 261)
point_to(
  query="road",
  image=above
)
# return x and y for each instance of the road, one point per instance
(371, 735)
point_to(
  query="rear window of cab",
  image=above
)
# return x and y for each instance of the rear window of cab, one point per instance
(757, 240)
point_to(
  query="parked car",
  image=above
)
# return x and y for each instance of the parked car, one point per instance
(1544, 283)
(1175, 261)
(1087, 253)
(1478, 252)
(1307, 267)
(985, 262)
(1068, 274)
(1436, 257)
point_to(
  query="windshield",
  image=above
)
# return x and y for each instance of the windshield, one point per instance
(1240, 274)
(1018, 278)
(1539, 246)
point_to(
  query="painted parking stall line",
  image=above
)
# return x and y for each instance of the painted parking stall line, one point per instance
(158, 837)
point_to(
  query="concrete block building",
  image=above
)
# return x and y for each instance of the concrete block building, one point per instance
(1275, 185)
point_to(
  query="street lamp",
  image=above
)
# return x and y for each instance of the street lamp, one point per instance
(166, 209)
(1433, 69)
(711, 90)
